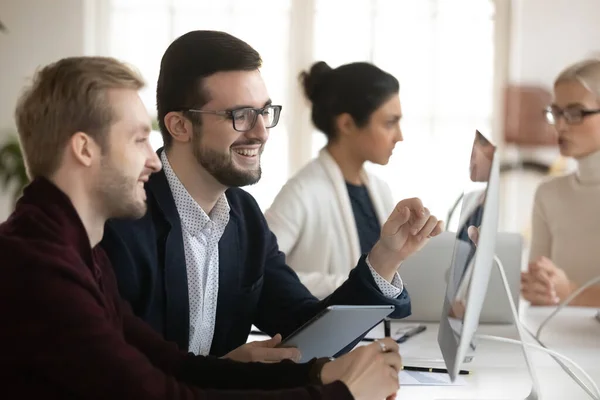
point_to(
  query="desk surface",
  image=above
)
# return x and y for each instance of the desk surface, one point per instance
(499, 370)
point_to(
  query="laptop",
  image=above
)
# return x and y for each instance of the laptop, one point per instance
(425, 276)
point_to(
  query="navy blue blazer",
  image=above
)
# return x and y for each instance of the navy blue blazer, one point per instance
(255, 284)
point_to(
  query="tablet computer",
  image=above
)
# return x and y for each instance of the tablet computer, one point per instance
(334, 328)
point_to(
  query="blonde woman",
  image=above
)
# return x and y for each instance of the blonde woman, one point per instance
(565, 244)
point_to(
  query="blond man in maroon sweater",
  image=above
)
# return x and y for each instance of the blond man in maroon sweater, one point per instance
(65, 332)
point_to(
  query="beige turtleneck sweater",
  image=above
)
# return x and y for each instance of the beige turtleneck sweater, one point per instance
(566, 221)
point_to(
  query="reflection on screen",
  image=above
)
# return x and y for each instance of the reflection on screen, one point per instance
(471, 215)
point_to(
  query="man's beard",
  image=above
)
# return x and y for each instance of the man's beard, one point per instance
(117, 193)
(221, 165)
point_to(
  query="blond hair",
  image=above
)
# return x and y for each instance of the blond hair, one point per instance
(66, 97)
(586, 72)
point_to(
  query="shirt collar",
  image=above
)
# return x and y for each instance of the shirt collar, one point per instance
(193, 218)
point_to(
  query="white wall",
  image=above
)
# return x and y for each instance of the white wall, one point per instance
(546, 36)
(549, 35)
(40, 31)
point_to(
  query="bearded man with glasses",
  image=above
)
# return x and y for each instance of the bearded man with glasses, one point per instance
(202, 266)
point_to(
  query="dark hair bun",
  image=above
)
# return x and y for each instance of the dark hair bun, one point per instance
(312, 80)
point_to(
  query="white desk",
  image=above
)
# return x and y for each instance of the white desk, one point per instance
(499, 370)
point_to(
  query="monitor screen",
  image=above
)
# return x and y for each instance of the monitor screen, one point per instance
(466, 256)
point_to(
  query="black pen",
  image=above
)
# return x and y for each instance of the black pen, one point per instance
(404, 337)
(253, 332)
(387, 331)
(411, 333)
(437, 370)
(387, 328)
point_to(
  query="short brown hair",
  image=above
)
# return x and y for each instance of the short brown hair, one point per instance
(66, 97)
(190, 59)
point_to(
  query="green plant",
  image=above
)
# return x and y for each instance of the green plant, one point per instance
(12, 168)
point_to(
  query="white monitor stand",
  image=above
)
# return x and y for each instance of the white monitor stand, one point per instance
(535, 388)
(534, 393)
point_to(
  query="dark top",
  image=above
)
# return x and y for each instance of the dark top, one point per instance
(66, 334)
(255, 284)
(463, 234)
(367, 223)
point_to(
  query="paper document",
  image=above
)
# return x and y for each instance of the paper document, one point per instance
(416, 378)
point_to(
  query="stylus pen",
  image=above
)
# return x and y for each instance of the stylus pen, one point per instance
(437, 370)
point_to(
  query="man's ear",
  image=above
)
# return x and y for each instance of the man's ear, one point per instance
(179, 127)
(345, 124)
(84, 149)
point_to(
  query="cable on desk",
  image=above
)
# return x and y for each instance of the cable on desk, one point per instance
(563, 366)
(521, 327)
(565, 303)
(596, 396)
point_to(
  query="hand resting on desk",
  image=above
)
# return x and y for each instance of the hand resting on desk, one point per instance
(264, 351)
(544, 283)
(369, 372)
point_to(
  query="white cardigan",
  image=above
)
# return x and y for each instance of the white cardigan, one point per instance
(315, 227)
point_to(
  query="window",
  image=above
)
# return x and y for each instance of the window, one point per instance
(141, 31)
(442, 53)
(440, 50)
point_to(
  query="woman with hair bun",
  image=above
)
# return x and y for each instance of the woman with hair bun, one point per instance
(332, 210)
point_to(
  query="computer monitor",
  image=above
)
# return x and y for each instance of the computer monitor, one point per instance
(471, 264)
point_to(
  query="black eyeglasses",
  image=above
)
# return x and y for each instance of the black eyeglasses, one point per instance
(244, 119)
(573, 115)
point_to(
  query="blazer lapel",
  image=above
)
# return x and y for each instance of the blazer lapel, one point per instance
(339, 184)
(172, 263)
